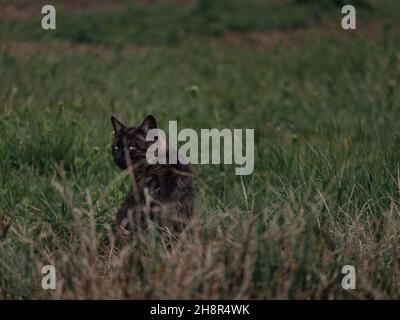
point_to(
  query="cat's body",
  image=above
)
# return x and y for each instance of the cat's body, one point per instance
(160, 192)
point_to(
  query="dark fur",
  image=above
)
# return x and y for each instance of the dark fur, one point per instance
(161, 192)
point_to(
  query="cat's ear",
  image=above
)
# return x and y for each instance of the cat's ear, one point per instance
(118, 125)
(148, 124)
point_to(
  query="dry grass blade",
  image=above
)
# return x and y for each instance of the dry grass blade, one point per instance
(4, 226)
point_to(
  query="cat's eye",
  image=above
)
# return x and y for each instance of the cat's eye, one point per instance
(116, 148)
(131, 148)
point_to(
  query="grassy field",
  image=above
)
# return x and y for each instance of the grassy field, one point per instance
(324, 104)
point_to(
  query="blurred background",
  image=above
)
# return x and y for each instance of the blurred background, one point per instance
(121, 23)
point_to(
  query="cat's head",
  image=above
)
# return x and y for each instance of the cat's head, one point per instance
(130, 142)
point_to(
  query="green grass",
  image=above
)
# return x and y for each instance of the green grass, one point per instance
(324, 193)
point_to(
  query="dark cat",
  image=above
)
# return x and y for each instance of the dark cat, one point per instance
(161, 192)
